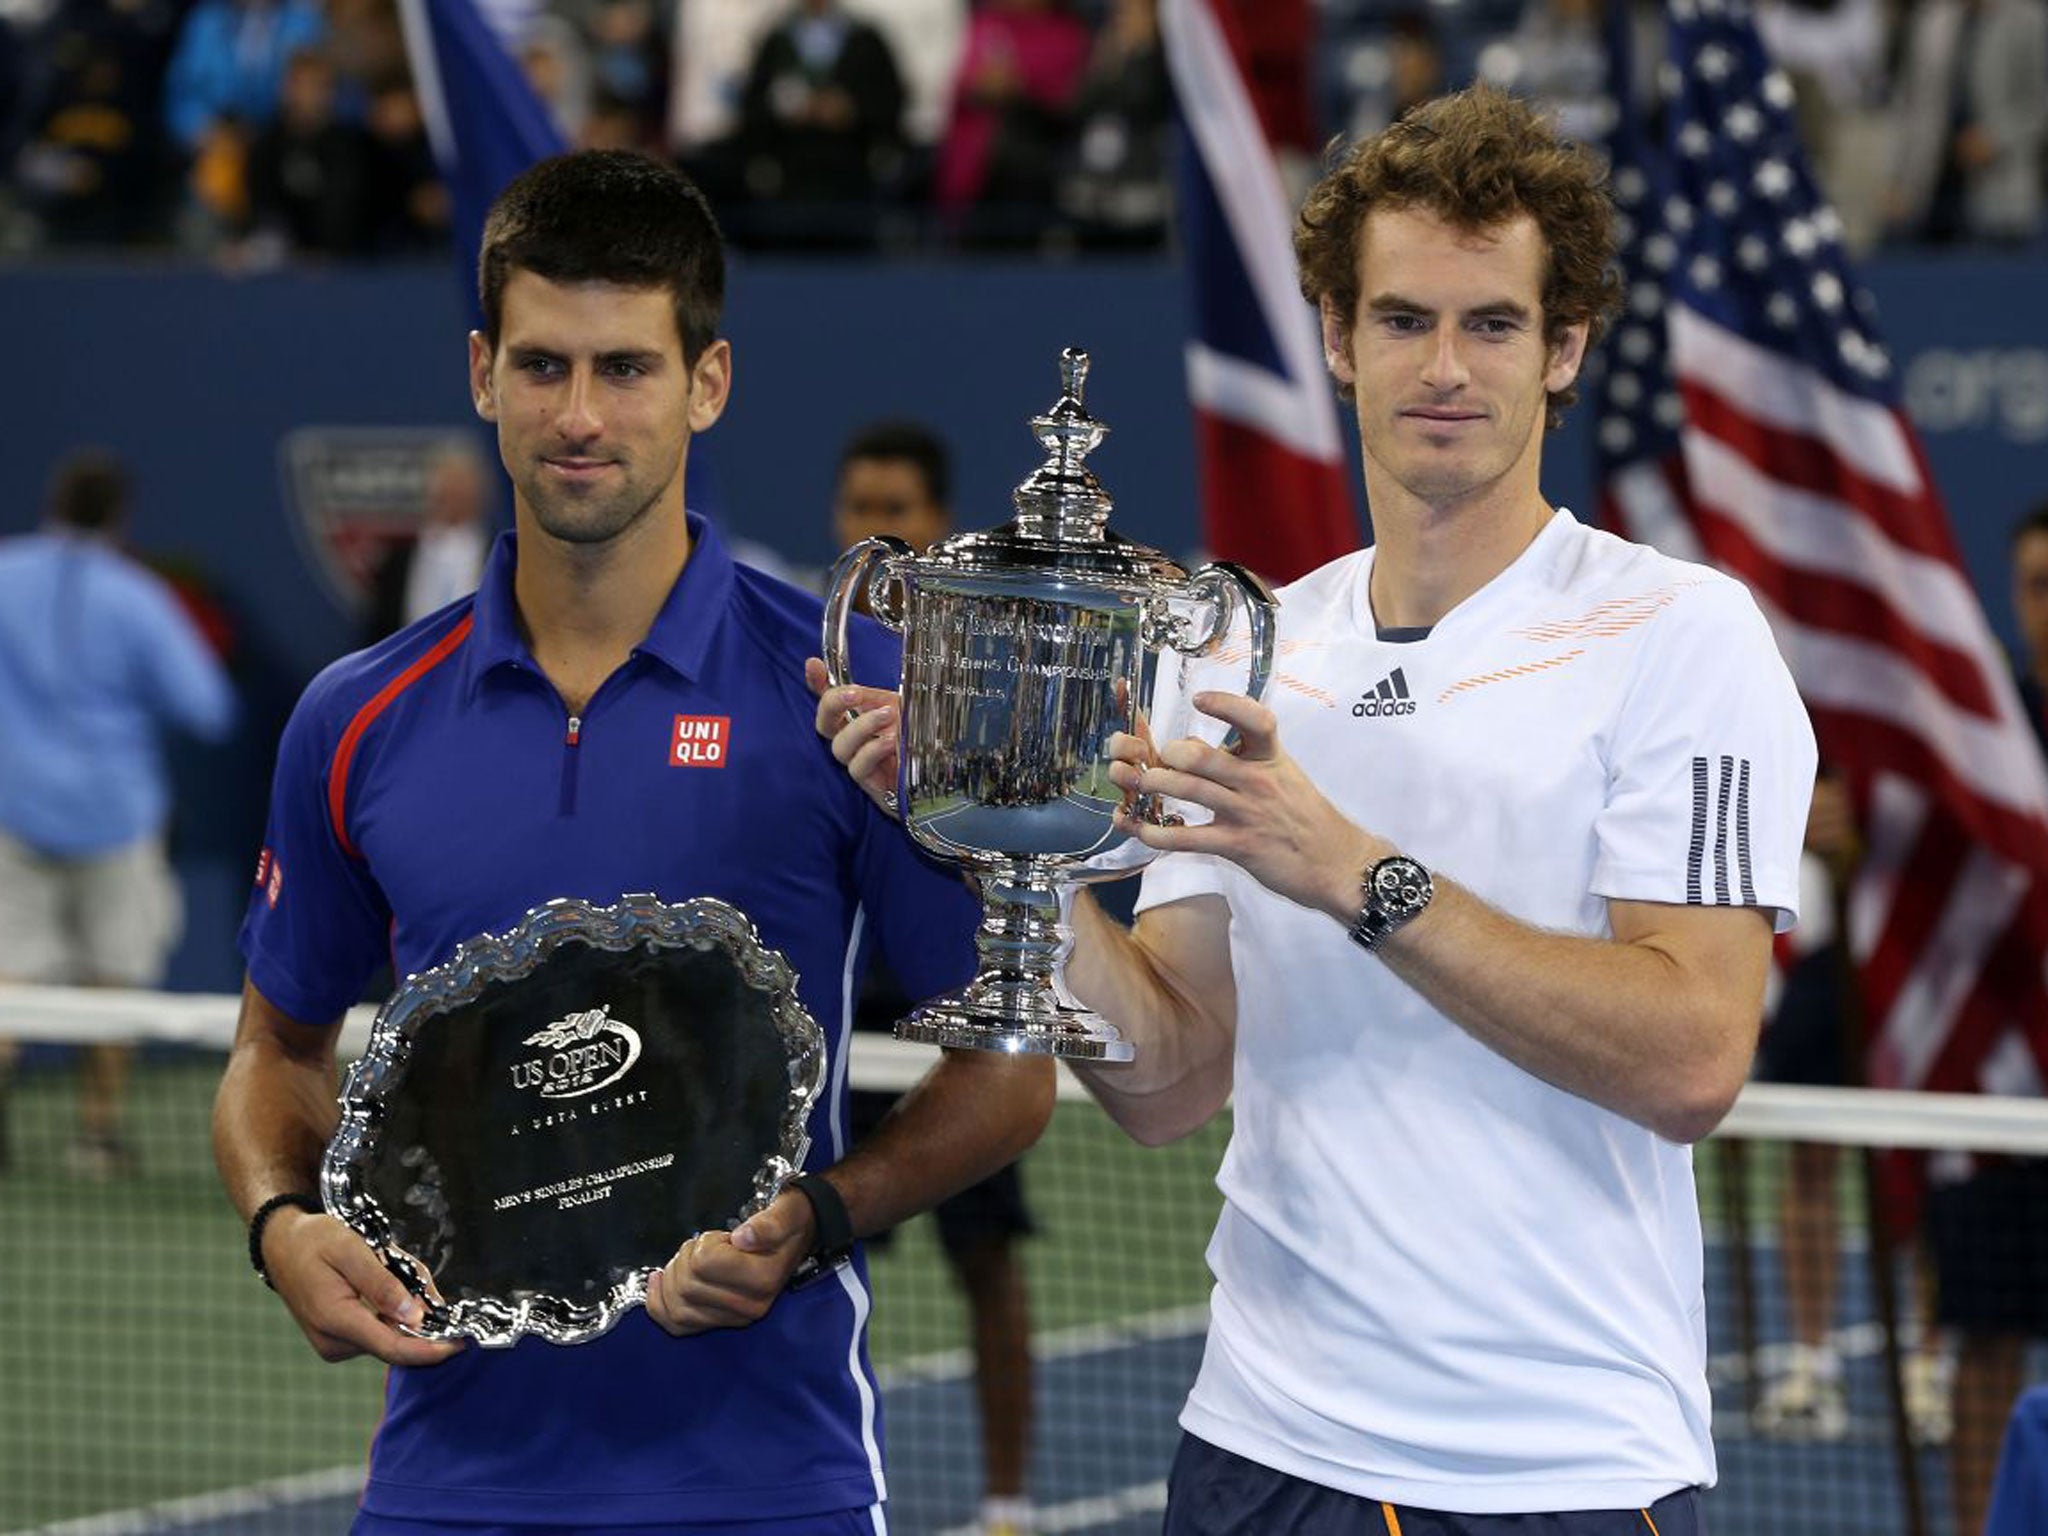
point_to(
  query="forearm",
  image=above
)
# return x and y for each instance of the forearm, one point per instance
(1632, 1026)
(972, 1114)
(1181, 1026)
(272, 1118)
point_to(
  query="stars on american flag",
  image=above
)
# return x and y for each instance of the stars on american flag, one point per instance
(1751, 416)
(1725, 217)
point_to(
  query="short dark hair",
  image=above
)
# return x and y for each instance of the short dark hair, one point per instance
(89, 491)
(2035, 521)
(1475, 158)
(608, 216)
(909, 440)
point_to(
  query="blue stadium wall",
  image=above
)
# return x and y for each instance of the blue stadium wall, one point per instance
(197, 378)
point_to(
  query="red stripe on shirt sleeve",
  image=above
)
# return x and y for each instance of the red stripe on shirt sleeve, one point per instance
(344, 754)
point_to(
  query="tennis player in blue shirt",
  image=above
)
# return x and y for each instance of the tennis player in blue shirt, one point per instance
(618, 708)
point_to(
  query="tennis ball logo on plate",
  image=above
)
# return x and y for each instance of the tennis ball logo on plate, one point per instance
(585, 1052)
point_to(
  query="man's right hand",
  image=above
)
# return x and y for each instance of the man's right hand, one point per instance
(343, 1298)
(862, 724)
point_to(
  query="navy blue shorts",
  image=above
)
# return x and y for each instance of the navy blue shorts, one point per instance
(842, 1522)
(1212, 1492)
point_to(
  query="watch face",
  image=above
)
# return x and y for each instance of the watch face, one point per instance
(1400, 886)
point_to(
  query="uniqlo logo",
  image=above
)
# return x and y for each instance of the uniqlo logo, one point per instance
(700, 741)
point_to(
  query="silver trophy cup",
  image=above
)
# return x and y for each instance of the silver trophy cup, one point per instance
(1024, 649)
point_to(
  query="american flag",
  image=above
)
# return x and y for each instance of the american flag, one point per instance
(1276, 496)
(1751, 416)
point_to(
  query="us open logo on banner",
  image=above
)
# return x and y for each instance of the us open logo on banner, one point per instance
(356, 493)
(584, 1052)
(700, 741)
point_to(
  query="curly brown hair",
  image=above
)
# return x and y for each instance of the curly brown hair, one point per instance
(1475, 159)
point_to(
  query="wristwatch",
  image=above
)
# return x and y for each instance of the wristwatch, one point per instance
(1396, 890)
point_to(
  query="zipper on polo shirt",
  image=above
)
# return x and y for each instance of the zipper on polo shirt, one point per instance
(570, 757)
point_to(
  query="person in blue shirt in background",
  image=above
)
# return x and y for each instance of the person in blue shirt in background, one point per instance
(97, 659)
(552, 736)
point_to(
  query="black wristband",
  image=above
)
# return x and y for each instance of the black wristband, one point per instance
(834, 1232)
(310, 1204)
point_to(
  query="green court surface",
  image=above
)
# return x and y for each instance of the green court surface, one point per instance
(141, 1361)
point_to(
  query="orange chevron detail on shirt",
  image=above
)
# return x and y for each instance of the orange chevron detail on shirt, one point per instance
(1616, 616)
(1238, 652)
(1526, 669)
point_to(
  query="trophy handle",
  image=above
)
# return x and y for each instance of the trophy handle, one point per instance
(854, 572)
(1228, 587)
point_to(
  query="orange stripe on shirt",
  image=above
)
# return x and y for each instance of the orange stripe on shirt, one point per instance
(1527, 669)
(344, 754)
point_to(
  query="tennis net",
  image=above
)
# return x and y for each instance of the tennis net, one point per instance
(149, 1384)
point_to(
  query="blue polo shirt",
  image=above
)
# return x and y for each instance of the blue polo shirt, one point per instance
(433, 788)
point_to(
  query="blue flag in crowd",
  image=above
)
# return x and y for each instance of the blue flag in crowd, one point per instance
(484, 119)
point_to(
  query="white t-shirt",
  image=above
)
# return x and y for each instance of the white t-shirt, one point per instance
(1439, 1280)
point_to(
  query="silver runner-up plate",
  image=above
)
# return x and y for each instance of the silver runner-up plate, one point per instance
(542, 1120)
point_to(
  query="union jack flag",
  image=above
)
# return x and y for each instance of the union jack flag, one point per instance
(1275, 493)
(1750, 416)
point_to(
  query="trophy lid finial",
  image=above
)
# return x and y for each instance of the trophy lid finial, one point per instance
(1073, 374)
(1061, 501)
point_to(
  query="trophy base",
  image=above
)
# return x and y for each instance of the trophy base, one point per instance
(1073, 1035)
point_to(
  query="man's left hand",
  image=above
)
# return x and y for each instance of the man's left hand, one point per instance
(731, 1279)
(1269, 817)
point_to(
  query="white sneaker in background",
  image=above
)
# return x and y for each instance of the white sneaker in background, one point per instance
(1929, 1393)
(1808, 1401)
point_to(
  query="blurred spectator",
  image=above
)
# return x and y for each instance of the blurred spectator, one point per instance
(821, 130)
(405, 202)
(1833, 51)
(222, 87)
(629, 62)
(1116, 185)
(1988, 1231)
(1012, 100)
(1409, 70)
(926, 37)
(365, 43)
(613, 124)
(1987, 1218)
(97, 660)
(557, 65)
(446, 559)
(1558, 58)
(1972, 121)
(229, 64)
(309, 172)
(714, 42)
(93, 158)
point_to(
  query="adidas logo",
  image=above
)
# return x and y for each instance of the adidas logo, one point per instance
(1390, 698)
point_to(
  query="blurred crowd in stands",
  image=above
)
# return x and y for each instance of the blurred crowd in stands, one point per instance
(255, 131)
